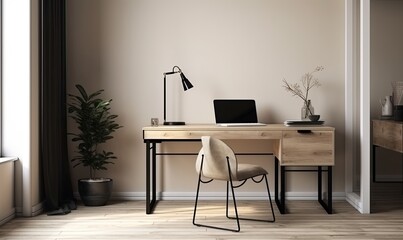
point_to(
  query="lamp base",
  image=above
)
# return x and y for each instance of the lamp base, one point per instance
(174, 123)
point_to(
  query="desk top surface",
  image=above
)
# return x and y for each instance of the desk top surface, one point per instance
(312, 146)
(214, 127)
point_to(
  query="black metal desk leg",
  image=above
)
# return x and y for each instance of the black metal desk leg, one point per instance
(150, 176)
(329, 189)
(282, 172)
(280, 201)
(373, 163)
(276, 198)
(154, 174)
(327, 206)
(148, 207)
(320, 184)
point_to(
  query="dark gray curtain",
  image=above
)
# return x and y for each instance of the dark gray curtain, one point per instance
(53, 130)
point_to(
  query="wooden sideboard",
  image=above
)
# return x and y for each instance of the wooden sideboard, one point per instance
(386, 134)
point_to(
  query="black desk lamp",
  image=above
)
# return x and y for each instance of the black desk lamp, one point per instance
(186, 85)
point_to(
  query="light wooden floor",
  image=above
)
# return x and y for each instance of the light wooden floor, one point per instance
(173, 220)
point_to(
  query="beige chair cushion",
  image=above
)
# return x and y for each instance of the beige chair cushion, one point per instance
(215, 164)
(246, 171)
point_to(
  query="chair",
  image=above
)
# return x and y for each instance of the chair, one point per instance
(217, 161)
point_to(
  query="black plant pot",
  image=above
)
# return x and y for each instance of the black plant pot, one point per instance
(95, 192)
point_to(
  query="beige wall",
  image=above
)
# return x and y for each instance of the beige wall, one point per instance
(386, 67)
(228, 49)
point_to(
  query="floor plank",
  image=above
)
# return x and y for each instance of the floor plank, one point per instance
(173, 220)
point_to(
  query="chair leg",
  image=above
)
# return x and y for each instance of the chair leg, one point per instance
(195, 207)
(271, 204)
(214, 227)
(237, 218)
(197, 198)
(252, 219)
(235, 207)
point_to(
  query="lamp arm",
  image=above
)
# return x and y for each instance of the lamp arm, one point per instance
(173, 71)
(165, 88)
(179, 70)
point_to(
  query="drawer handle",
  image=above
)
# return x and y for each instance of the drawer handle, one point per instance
(304, 131)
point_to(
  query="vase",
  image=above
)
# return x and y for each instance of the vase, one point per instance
(387, 106)
(306, 110)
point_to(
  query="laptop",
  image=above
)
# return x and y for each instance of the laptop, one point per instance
(235, 112)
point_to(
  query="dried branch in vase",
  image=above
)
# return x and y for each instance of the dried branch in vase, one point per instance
(307, 83)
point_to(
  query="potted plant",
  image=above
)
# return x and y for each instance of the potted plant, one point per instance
(95, 126)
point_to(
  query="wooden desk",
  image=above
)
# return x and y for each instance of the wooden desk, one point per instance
(302, 146)
(386, 134)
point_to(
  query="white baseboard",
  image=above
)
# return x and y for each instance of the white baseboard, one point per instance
(7, 217)
(217, 195)
(354, 200)
(35, 210)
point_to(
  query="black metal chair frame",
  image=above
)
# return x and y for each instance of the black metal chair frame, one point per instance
(237, 218)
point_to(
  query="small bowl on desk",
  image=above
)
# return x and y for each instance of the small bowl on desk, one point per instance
(314, 118)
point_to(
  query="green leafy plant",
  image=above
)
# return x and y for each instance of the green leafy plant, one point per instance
(95, 125)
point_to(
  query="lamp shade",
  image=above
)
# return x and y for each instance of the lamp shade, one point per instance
(185, 82)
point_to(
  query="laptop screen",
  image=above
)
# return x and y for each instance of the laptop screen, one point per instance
(235, 111)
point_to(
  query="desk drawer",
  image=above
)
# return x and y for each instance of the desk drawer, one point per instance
(387, 134)
(229, 134)
(307, 148)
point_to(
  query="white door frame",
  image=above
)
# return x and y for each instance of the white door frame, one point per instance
(352, 104)
(365, 117)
